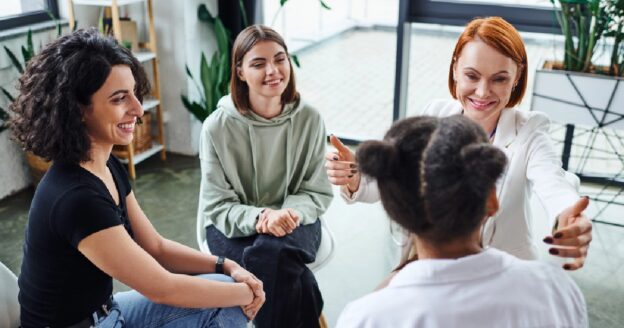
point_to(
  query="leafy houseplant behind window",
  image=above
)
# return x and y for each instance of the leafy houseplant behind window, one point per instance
(584, 23)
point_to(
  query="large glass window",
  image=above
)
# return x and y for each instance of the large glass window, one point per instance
(15, 13)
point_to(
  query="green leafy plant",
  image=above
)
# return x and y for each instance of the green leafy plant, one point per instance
(615, 29)
(582, 24)
(586, 23)
(214, 75)
(28, 52)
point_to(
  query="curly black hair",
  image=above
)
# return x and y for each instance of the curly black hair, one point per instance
(434, 174)
(56, 90)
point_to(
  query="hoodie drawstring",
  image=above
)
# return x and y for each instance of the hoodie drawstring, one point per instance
(254, 158)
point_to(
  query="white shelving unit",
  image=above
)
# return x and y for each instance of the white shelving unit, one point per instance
(146, 55)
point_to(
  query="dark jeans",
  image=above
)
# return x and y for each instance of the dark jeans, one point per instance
(293, 298)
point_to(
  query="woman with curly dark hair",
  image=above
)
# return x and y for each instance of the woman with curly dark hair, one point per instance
(78, 98)
(437, 179)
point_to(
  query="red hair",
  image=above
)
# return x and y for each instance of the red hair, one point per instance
(502, 36)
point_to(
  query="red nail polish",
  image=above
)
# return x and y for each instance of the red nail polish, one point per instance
(548, 240)
(558, 235)
(567, 267)
(553, 251)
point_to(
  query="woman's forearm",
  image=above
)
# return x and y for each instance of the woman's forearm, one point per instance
(179, 258)
(193, 292)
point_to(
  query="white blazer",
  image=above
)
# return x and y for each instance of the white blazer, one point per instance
(533, 168)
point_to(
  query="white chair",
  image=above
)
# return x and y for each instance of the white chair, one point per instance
(9, 306)
(324, 254)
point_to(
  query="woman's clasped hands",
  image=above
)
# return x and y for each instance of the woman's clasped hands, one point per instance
(278, 223)
(239, 274)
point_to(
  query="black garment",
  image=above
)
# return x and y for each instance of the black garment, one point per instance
(293, 298)
(58, 285)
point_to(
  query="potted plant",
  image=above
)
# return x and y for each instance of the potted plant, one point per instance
(586, 88)
(577, 90)
(37, 165)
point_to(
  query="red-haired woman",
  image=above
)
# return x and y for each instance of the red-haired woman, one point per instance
(487, 78)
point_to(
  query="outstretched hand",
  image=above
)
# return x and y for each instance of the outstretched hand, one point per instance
(341, 167)
(574, 234)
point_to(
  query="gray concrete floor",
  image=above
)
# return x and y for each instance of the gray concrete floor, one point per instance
(364, 254)
(350, 80)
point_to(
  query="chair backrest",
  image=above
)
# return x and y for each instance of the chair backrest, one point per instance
(324, 254)
(9, 306)
(200, 231)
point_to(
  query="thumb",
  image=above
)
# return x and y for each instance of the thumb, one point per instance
(342, 149)
(576, 209)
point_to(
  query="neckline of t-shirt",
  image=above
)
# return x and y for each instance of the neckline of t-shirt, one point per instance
(103, 185)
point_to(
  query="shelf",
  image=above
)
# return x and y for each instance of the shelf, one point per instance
(105, 3)
(144, 55)
(150, 103)
(138, 158)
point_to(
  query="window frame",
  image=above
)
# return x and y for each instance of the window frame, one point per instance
(449, 12)
(30, 18)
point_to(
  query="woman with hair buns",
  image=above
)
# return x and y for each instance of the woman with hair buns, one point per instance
(487, 79)
(423, 165)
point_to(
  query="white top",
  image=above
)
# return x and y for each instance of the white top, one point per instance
(534, 167)
(489, 289)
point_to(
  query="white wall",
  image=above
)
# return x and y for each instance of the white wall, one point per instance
(181, 38)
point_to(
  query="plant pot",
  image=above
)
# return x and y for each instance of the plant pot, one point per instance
(38, 167)
(592, 100)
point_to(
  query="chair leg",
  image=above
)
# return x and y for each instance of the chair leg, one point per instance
(323, 322)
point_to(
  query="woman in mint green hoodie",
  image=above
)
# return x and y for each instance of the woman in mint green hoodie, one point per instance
(263, 184)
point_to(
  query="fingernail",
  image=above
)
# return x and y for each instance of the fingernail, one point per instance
(558, 235)
(335, 158)
(586, 197)
(353, 166)
(351, 176)
(567, 267)
(548, 240)
(354, 171)
(553, 251)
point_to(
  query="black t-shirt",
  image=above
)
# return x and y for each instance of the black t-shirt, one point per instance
(58, 285)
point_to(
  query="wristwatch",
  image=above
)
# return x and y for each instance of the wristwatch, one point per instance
(219, 265)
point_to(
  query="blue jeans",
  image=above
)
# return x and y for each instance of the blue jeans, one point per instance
(293, 299)
(131, 309)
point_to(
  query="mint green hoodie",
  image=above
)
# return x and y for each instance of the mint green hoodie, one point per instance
(249, 163)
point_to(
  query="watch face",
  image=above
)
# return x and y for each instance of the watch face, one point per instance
(219, 264)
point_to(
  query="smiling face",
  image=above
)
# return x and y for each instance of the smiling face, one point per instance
(484, 79)
(114, 109)
(266, 70)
